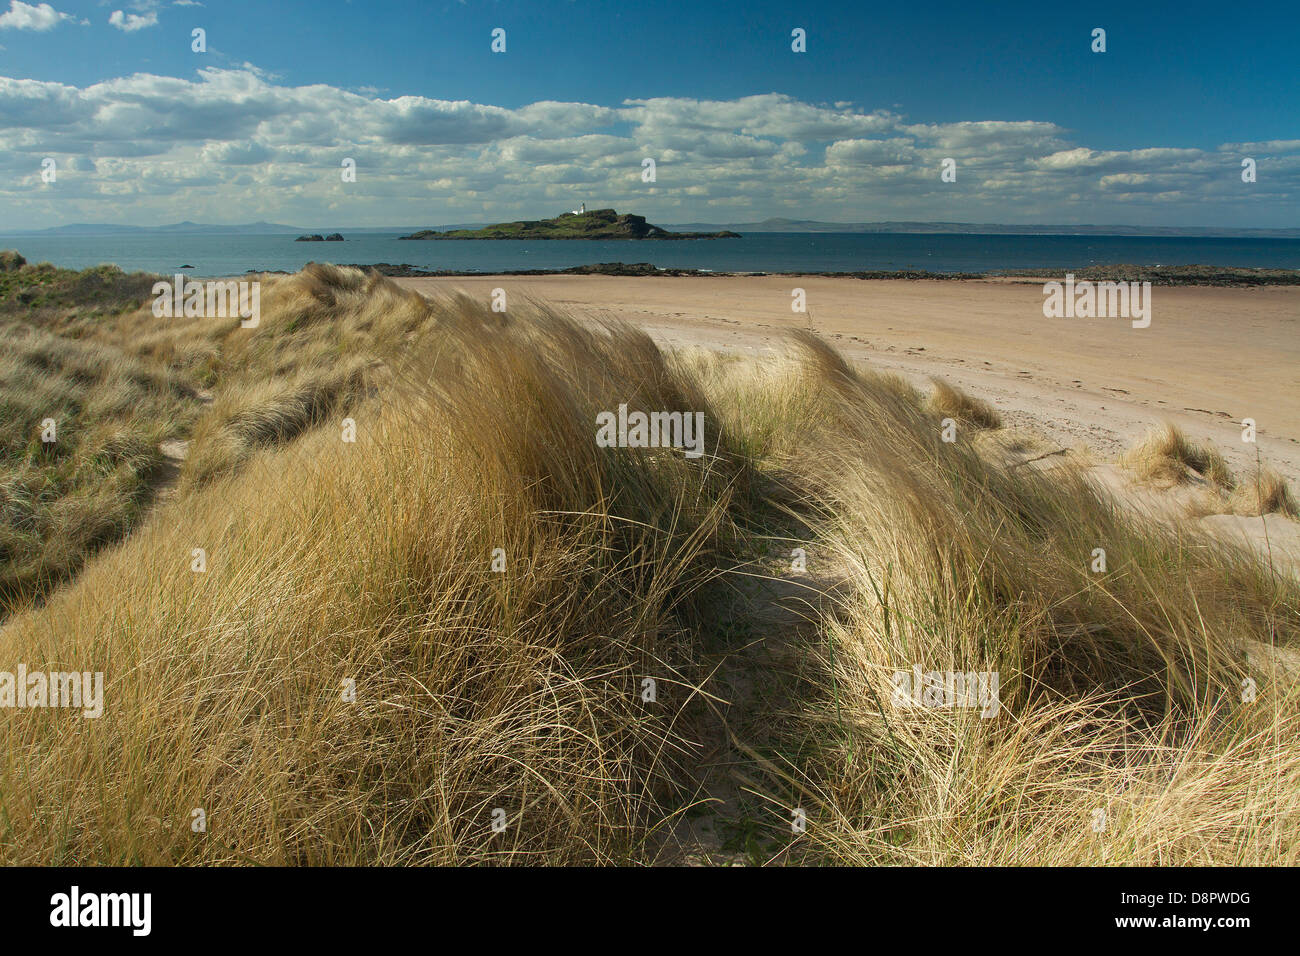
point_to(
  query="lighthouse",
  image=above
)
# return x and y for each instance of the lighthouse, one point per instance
(581, 210)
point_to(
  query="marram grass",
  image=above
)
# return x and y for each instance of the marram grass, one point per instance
(429, 645)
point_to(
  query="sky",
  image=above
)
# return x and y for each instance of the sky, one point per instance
(145, 130)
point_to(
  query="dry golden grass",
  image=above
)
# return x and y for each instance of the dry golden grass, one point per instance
(1165, 458)
(1265, 492)
(1165, 455)
(62, 499)
(951, 402)
(372, 561)
(1122, 690)
(84, 349)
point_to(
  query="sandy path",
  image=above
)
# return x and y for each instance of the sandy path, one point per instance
(1211, 356)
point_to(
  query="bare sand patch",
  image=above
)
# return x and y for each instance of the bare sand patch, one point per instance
(1211, 357)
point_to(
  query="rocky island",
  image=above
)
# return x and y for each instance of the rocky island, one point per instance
(587, 224)
(317, 237)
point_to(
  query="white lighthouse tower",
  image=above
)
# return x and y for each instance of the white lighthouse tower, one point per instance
(581, 210)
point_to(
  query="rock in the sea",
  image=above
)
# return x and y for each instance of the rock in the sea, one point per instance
(333, 237)
(316, 237)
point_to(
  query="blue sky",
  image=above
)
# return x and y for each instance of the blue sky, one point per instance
(144, 130)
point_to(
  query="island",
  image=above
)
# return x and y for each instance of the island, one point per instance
(317, 237)
(582, 224)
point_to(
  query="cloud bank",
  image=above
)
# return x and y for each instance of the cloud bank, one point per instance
(233, 145)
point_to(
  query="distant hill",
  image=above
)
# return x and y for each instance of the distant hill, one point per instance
(993, 229)
(202, 229)
(593, 224)
(111, 229)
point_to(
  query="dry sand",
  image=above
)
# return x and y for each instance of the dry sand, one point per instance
(1211, 357)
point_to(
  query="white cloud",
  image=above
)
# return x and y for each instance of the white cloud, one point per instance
(239, 144)
(858, 152)
(771, 114)
(130, 22)
(1270, 147)
(237, 153)
(25, 16)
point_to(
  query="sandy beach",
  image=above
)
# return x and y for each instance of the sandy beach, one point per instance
(1211, 356)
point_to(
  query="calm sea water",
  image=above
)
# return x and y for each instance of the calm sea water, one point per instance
(758, 252)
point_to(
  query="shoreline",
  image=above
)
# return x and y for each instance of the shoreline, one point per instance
(1193, 275)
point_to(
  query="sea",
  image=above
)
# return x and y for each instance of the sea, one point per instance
(224, 255)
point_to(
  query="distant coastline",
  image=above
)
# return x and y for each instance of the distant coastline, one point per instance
(904, 228)
(760, 253)
(772, 225)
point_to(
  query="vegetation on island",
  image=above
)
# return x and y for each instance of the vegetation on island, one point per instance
(592, 224)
